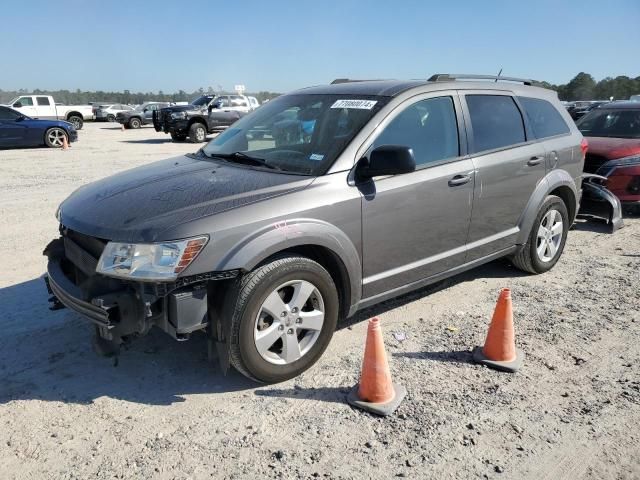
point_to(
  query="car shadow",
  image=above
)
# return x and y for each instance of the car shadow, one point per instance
(324, 394)
(591, 225)
(47, 355)
(460, 356)
(150, 141)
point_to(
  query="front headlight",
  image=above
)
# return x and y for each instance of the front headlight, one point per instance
(179, 115)
(149, 261)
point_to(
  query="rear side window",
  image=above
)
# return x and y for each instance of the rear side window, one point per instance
(544, 118)
(496, 121)
(43, 101)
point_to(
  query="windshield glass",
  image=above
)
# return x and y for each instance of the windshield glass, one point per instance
(202, 100)
(620, 123)
(301, 134)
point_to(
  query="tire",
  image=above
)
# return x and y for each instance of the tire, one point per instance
(245, 305)
(135, 123)
(54, 137)
(197, 133)
(178, 137)
(111, 118)
(529, 258)
(76, 121)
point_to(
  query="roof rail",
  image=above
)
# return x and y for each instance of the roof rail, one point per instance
(447, 77)
(350, 80)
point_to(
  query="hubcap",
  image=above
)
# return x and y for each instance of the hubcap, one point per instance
(549, 235)
(289, 322)
(56, 137)
(200, 134)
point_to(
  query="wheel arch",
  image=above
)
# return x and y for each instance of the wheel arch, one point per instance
(73, 113)
(557, 182)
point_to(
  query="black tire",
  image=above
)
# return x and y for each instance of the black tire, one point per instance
(111, 118)
(528, 259)
(243, 304)
(54, 137)
(77, 121)
(135, 123)
(178, 137)
(197, 133)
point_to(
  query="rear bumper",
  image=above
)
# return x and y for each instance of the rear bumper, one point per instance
(597, 201)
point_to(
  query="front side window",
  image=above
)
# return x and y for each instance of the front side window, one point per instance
(620, 123)
(43, 101)
(203, 100)
(544, 118)
(301, 134)
(26, 101)
(8, 114)
(496, 122)
(429, 127)
(238, 101)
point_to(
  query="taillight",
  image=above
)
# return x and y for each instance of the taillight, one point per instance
(584, 146)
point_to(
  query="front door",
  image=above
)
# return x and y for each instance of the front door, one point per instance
(415, 225)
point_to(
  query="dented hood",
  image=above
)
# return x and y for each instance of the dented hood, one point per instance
(138, 205)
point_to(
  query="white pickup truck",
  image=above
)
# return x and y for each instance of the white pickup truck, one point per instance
(43, 106)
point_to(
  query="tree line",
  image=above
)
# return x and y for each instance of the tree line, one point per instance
(582, 87)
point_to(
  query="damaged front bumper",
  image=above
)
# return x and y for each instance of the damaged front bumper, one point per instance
(122, 309)
(598, 202)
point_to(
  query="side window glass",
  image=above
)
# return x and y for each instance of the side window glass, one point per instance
(496, 121)
(429, 127)
(7, 114)
(545, 119)
(43, 101)
(26, 101)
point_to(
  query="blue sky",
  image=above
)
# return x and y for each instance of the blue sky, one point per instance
(282, 45)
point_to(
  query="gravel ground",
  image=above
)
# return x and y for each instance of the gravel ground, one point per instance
(164, 412)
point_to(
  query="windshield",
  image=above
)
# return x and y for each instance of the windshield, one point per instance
(205, 99)
(301, 134)
(620, 123)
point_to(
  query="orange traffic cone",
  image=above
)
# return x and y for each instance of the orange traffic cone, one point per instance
(65, 143)
(376, 393)
(499, 351)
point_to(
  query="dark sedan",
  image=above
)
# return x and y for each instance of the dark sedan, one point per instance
(18, 130)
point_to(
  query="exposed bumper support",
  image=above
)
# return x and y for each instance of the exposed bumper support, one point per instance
(597, 201)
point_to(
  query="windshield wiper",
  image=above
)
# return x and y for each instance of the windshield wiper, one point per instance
(242, 157)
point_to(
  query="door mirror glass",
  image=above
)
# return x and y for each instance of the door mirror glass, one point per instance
(388, 160)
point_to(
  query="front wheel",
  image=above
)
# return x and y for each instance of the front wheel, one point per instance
(135, 123)
(197, 133)
(55, 137)
(283, 315)
(547, 238)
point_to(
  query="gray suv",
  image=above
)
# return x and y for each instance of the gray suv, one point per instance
(320, 203)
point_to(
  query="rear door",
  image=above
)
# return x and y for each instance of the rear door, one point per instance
(45, 109)
(509, 164)
(415, 225)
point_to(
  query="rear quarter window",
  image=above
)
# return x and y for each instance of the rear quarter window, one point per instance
(496, 122)
(545, 120)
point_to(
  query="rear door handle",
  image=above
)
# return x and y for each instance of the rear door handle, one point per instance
(533, 161)
(459, 180)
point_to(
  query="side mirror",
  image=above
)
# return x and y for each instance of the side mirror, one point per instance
(20, 118)
(145, 110)
(17, 105)
(388, 160)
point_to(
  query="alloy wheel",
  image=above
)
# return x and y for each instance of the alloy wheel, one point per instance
(56, 137)
(289, 322)
(549, 235)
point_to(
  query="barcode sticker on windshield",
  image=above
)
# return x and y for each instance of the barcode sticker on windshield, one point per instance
(360, 104)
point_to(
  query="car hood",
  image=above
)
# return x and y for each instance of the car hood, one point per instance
(183, 108)
(38, 123)
(612, 148)
(140, 205)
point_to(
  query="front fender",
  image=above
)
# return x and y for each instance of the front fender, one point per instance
(274, 238)
(552, 181)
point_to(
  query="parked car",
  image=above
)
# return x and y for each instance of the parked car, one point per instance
(206, 114)
(580, 109)
(44, 107)
(613, 133)
(141, 115)
(266, 245)
(108, 112)
(19, 130)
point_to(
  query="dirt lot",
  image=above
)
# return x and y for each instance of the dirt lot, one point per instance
(165, 412)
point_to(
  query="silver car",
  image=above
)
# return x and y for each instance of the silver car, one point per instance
(320, 203)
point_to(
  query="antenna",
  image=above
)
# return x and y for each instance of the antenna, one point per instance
(499, 73)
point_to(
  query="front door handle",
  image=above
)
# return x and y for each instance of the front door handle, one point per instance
(459, 180)
(533, 161)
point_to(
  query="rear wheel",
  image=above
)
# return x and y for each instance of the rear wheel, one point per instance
(547, 238)
(197, 133)
(135, 123)
(76, 121)
(55, 137)
(111, 118)
(283, 315)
